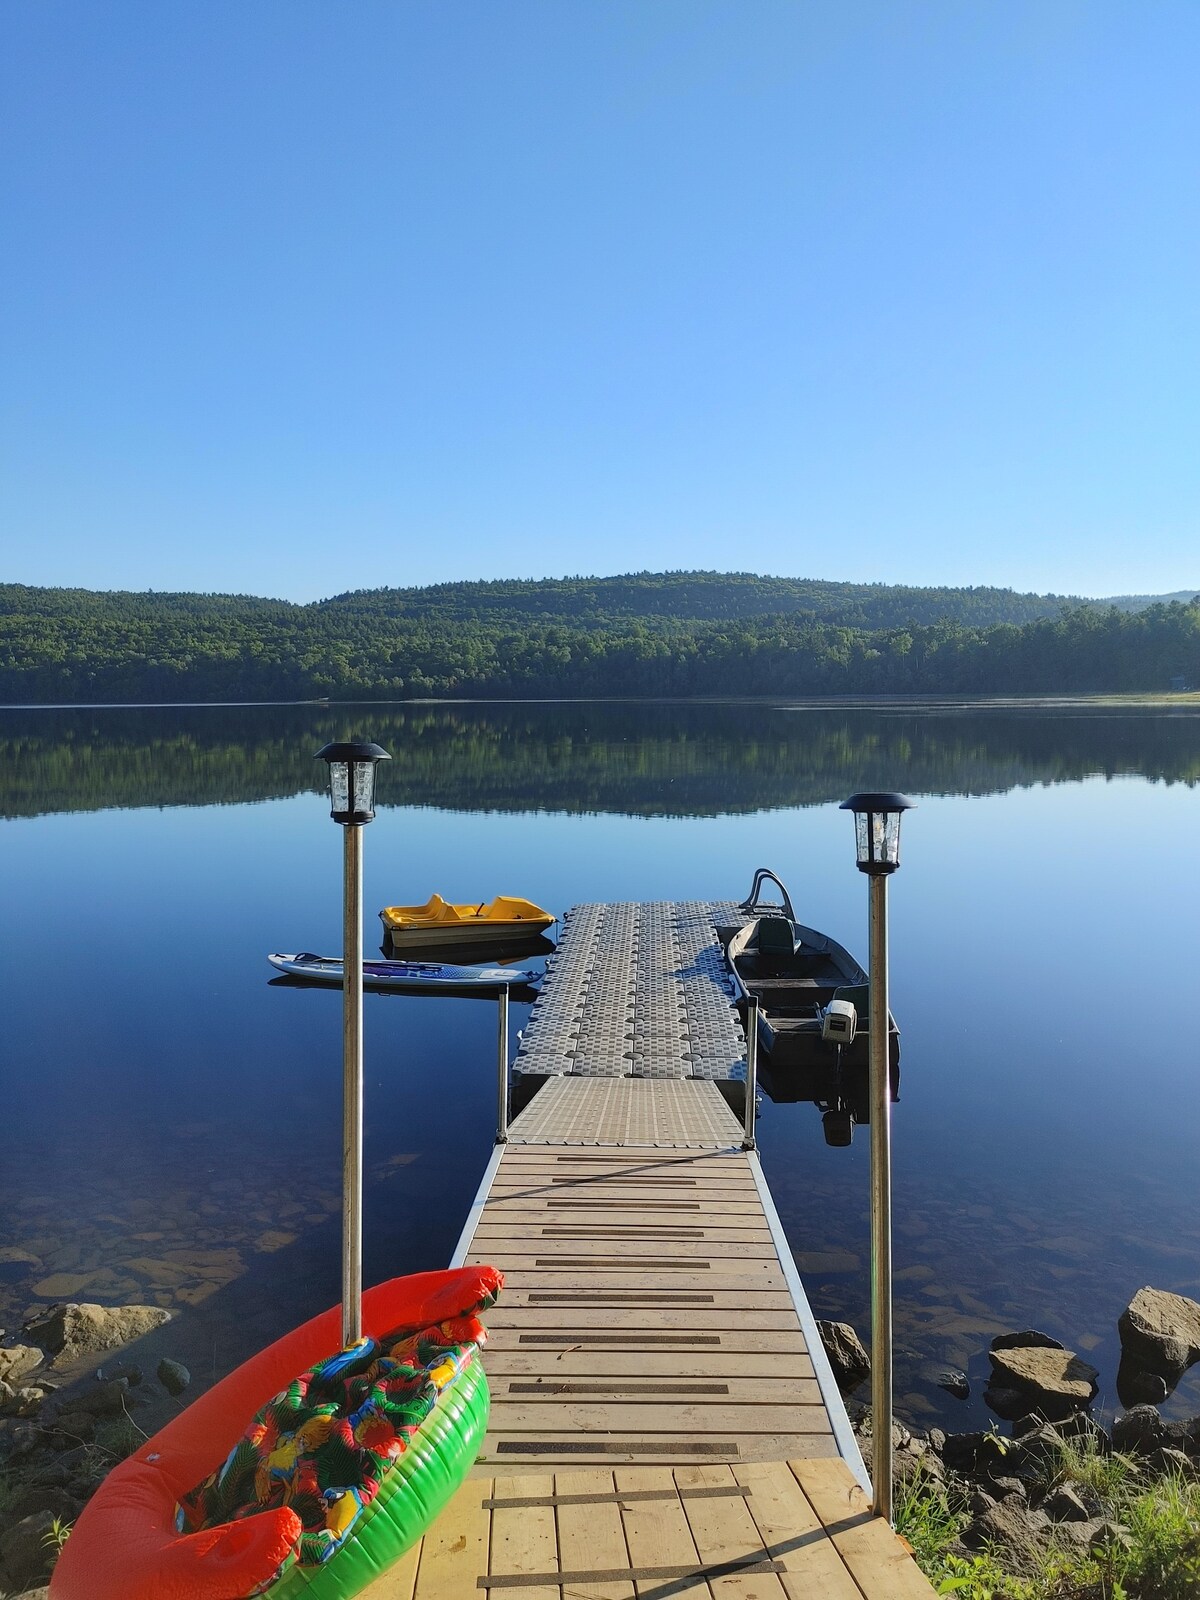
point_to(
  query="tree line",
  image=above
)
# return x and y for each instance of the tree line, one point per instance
(644, 636)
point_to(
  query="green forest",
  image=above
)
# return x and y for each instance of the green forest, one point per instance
(643, 635)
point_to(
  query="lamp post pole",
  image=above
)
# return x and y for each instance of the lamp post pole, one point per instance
(352, 804)
(881, 1206)
(877, 840)
(352, 1086)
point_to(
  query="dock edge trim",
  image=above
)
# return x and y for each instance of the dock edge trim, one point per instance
(843, 1433)
(473, 1215)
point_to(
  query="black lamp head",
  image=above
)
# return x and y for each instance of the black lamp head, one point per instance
(877, 828)
(352, 780)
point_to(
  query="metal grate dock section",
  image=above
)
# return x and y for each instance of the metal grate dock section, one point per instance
(637, 990)
(627, 1111)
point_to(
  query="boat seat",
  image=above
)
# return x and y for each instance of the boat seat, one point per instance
(775, 942)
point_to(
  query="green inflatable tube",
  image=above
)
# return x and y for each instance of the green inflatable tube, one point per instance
(410, 1496)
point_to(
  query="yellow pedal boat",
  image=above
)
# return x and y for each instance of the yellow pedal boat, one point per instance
(438, 922)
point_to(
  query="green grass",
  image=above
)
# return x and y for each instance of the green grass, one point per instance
(1158, 1559)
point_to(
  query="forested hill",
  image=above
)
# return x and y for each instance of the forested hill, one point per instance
(648, 634)
(698, 597)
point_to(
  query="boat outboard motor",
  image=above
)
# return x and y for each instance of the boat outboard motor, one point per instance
(839, 1022)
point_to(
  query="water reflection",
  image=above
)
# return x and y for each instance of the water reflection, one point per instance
(172, 1119)
(633, 759)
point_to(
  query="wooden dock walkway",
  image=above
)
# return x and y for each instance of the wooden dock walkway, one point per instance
(650, 1310)
(797, 1530)
(664, 1420)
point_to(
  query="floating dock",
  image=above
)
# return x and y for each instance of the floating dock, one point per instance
(638, 991)
(664, 1419)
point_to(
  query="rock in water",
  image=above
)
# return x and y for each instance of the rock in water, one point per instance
(173, 1376)
(1160, 1332)
(1056, 1381)
(943, 1376)
(847, 1356)
(69, 1331)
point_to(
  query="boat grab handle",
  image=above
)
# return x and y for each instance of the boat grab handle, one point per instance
(765, 875)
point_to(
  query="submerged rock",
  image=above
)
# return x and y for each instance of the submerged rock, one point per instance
(943, 1376)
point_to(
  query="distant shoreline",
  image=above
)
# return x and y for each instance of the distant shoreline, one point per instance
(1182, 699)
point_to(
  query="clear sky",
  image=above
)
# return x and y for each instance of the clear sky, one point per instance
(307, 295)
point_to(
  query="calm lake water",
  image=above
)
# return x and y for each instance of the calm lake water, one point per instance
(172, 1120)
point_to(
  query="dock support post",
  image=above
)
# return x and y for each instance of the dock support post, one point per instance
(751, 1073)
(502, 1070)
(881, 1207)
(352, 1087)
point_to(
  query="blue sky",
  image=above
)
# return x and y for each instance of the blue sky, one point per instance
(300, 297)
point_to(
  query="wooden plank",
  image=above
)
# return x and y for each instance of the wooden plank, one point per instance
(590, 1537)
(553, 1179)
(876, 1559)
(634, 1386)
(758, 1277)
(455, 1549)
(600, 1363)
(514, 1313)
(664, 1154)
(513, 1453)
(792, 1531)
(725, 1532)
(651, 1166)
(582, 1208)
(712, 1199)
(525, 1540)
(524, 1416)
(571, 1298)
(399, 1581)
(552, 1222)
(645, 1166)
(657, 1533)
(628, 1246)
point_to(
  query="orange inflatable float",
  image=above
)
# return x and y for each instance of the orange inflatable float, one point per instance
(127, 1545)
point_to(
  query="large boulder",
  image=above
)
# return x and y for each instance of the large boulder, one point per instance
(1013, 1525)
(26, 1551)
(18, 1359)
(1141, 1429)
(1055, 1380)
(1160, 1331)
(71, 1331)
(847, 1354)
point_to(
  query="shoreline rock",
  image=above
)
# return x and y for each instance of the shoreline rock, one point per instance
(1160, 1334)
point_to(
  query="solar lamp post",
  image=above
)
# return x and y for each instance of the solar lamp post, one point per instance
(877, 841)
(352, 804)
